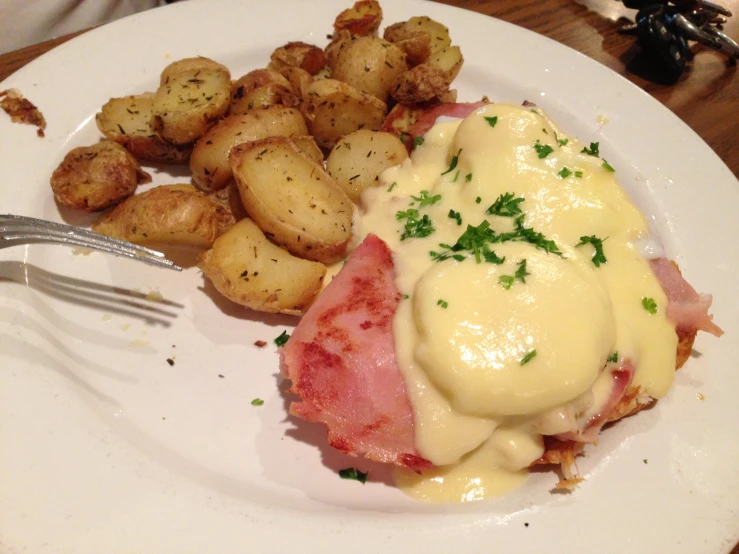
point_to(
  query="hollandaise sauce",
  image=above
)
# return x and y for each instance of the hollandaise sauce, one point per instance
(517, 254)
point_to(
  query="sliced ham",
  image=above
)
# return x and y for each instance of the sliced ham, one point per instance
(687, 309)
(341, 361)
(620, 378)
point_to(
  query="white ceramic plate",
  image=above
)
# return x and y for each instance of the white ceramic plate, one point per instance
(105, 447)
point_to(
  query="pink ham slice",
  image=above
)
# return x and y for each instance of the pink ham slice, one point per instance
(620, 381)
(687, 309)
(341, 361)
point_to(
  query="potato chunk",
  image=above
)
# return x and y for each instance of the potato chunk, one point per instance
(370, 64)
(175, 214)
(190, 103)
(188, 64)
(292, 199)
(93, 178)
(363, 18)
(298, 54)
(209, 159)
(128, 121)
(248, 269)
(357, 160)
(334, 109)
(258, 89)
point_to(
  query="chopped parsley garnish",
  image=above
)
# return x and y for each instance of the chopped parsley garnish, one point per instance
(543, 130)
(478, 200)
(608, 167)
(527, 234)
(475, 240)
(468, 178)
(456, 176)
(492, 120)
(564, 173)
(528, 357)
(649, 304)
(506, 281)
(418, 141)
(561, 142)
(521, 272)
(592, 151)
(613, 358)
(353, 474)
(543, 150)
(453, 165)
(598, 258)
(391, 187)
(443, 303)
(257, 402)
(455, 215)
(578, 174)
(425, 199)
(282, 339)
(491, 257)
(506, 205)
(406, 297)
(415, 227)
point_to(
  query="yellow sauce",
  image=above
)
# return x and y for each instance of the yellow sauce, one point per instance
(491, 362)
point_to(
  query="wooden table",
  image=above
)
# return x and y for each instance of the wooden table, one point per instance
(706, 98)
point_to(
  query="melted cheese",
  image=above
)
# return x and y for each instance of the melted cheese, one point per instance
(462, 338)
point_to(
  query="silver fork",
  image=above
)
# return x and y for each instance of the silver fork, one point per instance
(16, 230)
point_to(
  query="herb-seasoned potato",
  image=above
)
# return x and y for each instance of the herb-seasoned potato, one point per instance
(449, 60)
(92, 178)
(176, 214)
(438, 34)
(209, 159)
(248, 269)
(417, 48)
(292, 199)
(334, 109)
(229, 200)
(357, 160)
(298, 54)
(258, 89)
(299, 79)
(188, 64)
(363, 18)
(127, 121)
(190, 103)
(420, 84)
(370, 64)
(308, 148)
(337, 44)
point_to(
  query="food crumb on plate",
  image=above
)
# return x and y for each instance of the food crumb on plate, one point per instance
(107, 317)
(260, 343)
(22, 110)
(700, 396)
(170, 361)
(220, 376)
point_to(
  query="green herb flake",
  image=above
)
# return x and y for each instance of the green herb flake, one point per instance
(578, 174)
(592, 151)
(598, 257)
(456, 216)
(528, 357)
(564, 173)
(645, 461)
(478, 200)
(391, 187)
(406, 297)
(543, 150)
(456, 176)
(415, 227)
(282, 339)
(543, 130)
(468, 178)
(649, 304)
(521, 272)
(453, 165)
(418, 141)
(425, 199)
(608, 167)
(491, 257)
(353, 474)
(443, 303)
(613, 358)
(506, 281)
(492, 120)
(506, 205)
(257, 402)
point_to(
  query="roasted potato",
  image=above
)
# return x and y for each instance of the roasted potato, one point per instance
(357, 160)
(370, 64)
(292, 199)
(190, 103)
(127, 121)
(449, 60)
(93, 178)
(334, 109)
(299, 79)
(258, 89)
(229, 200)
(337, 44)
(416, 44)
(298, 54)
(308, 148)
(363, 18)
(209, 159)
(248, 269)
(175, 214)
(189, 64)
(437, 33)
(429, 80)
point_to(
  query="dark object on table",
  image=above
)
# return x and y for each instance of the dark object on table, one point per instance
(665, 27)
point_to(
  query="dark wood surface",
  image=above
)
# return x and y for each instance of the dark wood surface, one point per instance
(706, 97)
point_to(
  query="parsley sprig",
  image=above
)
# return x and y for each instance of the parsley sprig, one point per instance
(506, 205)
(492, 120)
(415, 226)
(353, 474)
(425, 199)
(649, 304)
(543, 150)
(592, 151)
(521, 274)
(598, 257)
(455, 161)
